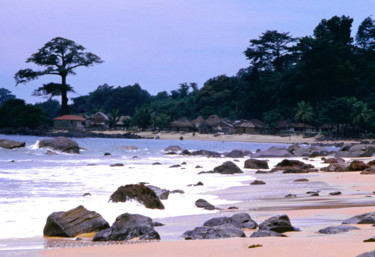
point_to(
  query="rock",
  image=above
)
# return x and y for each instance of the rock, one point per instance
(258, 182)
(333, 167)
(127, 147)
(63, 144)
(128, 226)
(177, 191)
(156, 163)
(206, 153)
(86, 194)
(222, 231)
(117, 165)
(140, 193)
(239, 220)
(273, 152)
(175, 166)
(290, 196)
(372, 239)
(256, 164)
(198, 167)
(293, 165)
(236, 154)
(371, 163)
(233, 208)
(163, 194)
(49, 152)
(266, 233)
(337, 229)
(335, 193)
(301, 180)
(278, 223)
(366, 218)
(171, 153)
(227, 168)
(107, 154)
(157, 224)
(173, 148)
(311, 151)
(368, 171)
(334, 160)
(10, 144)
(201, 203)
(357, 166)
(356, 150)
(367, 254)
(74, 222)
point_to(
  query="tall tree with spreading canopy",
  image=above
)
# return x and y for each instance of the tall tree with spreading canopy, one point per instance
(60, 57)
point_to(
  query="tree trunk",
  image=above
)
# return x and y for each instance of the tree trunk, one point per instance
(64, 97)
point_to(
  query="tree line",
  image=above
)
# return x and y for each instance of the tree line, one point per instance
(324, 78)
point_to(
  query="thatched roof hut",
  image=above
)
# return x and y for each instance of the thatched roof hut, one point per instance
(182, 124)
(214, 124)
(98, 119)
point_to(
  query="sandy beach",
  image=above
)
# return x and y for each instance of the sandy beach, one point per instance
(305, 212)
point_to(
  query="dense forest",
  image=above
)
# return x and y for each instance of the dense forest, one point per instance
(325, 78)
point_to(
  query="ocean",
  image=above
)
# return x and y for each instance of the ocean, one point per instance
(34, 184)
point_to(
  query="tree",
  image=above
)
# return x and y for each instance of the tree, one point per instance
(304, 112)
(142, 118)
(5, 95)
(272, 51)
(60, 57)
(365, 37)
(113, 118)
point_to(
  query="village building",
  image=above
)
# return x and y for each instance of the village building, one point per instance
(182, 125)
(252, 126)
(69, 122)
(214, 124)
(290, 126)
(99, 120)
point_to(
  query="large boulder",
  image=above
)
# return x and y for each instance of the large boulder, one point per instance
(173, 148)
(227, 168)
(201, 203)
(357, 165)
(365, 218)
(74, 222)
(337, 229)
(292, 164)
(356, 150)
(128, 226)
(137, 192)
(278, 223)
(237, 154)
(221, 231)
(239, 220)
(340, 166)
(63, 144)
(311, 151)
(256, 164)
(163, 194)
(273, 152)
(10, 144)
(203, 153)
(367, 254)
(266, 233)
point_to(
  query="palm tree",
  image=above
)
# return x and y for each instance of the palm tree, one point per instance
(304, 112)
(113, 118)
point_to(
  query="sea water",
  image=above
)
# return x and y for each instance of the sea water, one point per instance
(34, 184)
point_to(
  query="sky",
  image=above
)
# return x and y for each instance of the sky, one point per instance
(155, 43)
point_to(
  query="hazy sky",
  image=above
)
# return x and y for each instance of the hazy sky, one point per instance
(156, 43)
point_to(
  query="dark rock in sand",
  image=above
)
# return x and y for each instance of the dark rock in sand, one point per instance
(140, 193)
(301, 170)
(258, 182)
(74, 222)
(175, 166)
(278, 223)
(357, 166)
(177, 191)
(301, 180)
(334, 160)
(371, 163)
(173, 148)
(128, 226)
(156, 163)
(293, 164)
(157, 224)
(117, 165)
(335, 167)
(10, 144)
(222, 231)
(171, 153)
(372, 239)
(201, 203)
(107, 154)
(335, 193)
(63, 144)
(256, 164)
(86, 194)
(227, 168)
(206, 153)
(273, 152)
(240, 220)
(337, 229)
(367, 254)
(233, 208)
(266, 233)
(198, 167)
(365, 218)
(369, 171)
(290, 196)
(163, 194)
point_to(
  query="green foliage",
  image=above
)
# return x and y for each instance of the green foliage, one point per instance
(142, 118)
(271, 118)
(51, 107)
(113, 118)
(5, 95)
(15, 113)
(304, 112)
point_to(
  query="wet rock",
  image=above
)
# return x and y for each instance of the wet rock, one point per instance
(293, 165)
(233, 208)
(222, 231)
(256, 164)
(171, 153)
(337, 229)
(371, 239)
(157, 224)
(128, 226)
(173, 148)
(239, 220)
(334, 160)
(371, 163)
(367, 254)
(237, 154)
(357, 166)
(140, 193)
(177, 191)
(368, 171)
(107, 154)
(266, 233)
(278, 223)
(227, 168)
(356, 150)
(156, 163)
(301, 180)
(201, 203)
(198, 167)
(117, 165)
(335, 193)
(258, 182)
(335, 167)
(49, 152)
(63, 144)
(273, 152)
(74, 222)
(365, 218)
(163, 194)
(175, 166)
(290, 196)
(10, 144)
(206, 153)
(86, 194)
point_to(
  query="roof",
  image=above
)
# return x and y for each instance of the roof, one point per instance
(69, 117)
